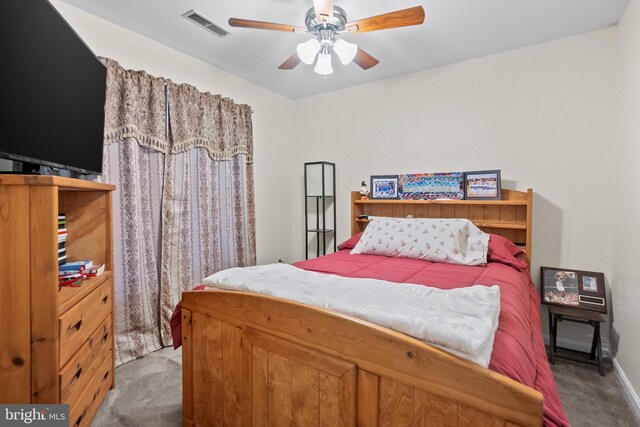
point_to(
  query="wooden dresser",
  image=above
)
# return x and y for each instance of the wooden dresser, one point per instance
(56, 344)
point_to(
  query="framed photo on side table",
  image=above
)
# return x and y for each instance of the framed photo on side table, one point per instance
(384, 187)
(573, 288)
(482, 185)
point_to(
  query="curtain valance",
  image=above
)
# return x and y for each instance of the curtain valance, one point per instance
(203, 120)
(139, 105)
(135, 107)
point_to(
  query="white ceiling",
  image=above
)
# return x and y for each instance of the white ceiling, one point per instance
(454, 30)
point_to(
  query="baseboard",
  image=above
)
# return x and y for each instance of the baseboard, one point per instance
(632, 396)
(576, 345)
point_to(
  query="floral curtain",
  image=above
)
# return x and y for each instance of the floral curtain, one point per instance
(135, 142)
(207, 203)
(183, 207)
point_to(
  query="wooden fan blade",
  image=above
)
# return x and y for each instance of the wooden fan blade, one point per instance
(290, 63)
(399, 18)
(364, 60)
(261, 25)
(324, 9)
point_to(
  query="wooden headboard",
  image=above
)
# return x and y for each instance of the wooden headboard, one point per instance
(509, 217)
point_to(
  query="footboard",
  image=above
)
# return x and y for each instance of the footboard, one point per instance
(253, 360)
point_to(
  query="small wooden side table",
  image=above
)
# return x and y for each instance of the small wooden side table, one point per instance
(577, 315)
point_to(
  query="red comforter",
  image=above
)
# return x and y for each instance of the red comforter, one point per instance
(518, 349)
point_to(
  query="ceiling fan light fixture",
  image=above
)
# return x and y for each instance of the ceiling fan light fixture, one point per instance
(308, 50)
(346, 51)
(326, 22)
(323, 65)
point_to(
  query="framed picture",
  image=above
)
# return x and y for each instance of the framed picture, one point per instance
(482, 185)
(431, 186)
(384, 187)
(573, 288)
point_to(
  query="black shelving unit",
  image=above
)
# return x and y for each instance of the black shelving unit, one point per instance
(319, 206)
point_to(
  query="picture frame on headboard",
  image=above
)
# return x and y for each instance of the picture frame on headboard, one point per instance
(384, 187)
(432, 186)
(483, 185)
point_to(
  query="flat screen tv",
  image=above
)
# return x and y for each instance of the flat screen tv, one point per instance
(52, 90)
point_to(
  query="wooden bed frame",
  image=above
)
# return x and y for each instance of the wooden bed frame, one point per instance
(253, 360)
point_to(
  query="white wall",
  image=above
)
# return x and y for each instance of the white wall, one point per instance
(273, 133)
(625, 288)
(542, 114)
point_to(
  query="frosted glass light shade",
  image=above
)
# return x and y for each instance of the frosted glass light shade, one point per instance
(308, 50)
(315, 171)
(346, 51)
(323, 66)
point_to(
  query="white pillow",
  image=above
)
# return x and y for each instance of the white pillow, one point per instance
(454, 241)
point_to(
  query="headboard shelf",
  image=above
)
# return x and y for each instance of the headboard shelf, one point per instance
(510, 217)
(480, 224)
(443, 202)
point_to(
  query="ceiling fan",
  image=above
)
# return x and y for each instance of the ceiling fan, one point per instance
(326, 23)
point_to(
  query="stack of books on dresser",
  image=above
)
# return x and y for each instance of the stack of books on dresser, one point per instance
(62, 238)
(74, 273)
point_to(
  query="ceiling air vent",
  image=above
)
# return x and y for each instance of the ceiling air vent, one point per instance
(204, 22)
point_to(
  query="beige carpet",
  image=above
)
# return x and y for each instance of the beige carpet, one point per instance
(592, 400)
(148, 393)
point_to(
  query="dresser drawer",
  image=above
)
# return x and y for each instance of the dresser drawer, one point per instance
(83, 411)
(79, 370)
(79, 322)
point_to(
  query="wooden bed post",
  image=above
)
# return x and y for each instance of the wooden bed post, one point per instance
(355, 211)
(529, 225)
(187, 374)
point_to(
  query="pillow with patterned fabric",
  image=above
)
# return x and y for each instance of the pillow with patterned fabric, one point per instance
(453, 241)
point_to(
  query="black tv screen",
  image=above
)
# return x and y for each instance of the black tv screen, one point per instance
(52, 91)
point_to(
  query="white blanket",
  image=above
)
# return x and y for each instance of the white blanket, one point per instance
(462, 321)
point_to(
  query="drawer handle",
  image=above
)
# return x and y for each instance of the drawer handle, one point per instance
(76, 377)
(104, 378)
(76, 327)
(79, 420)
(105, 299)
(104, 338)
